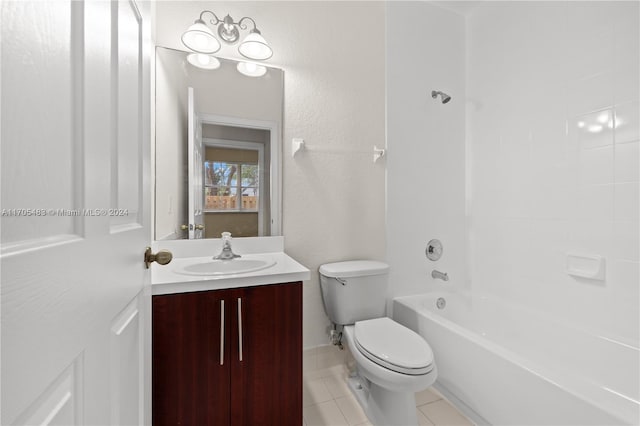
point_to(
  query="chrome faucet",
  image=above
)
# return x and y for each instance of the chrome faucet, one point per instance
(440, 275)
(226, 253)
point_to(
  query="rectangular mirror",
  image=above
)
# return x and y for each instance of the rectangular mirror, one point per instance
(218, 147)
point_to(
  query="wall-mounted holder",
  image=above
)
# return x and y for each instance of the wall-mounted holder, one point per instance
(592, 267)
(297, 145)
(378, 153)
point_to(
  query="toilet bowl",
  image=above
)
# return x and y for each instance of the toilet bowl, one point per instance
(391, 355)
(393, 362)
(386, 394)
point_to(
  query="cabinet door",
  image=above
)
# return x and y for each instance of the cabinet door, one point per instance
(266, 341)
(191, 365)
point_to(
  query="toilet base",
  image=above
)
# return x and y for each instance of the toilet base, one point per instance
(382, 406)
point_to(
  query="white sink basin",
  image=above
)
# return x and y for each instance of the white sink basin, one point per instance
(226, 267)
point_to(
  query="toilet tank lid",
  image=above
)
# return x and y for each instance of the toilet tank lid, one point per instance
(354, 268)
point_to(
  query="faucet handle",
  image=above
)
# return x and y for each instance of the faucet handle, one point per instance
(227, 253)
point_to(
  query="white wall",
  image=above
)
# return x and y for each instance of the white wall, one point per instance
(333, 57)
(542, 183)
(426, 163)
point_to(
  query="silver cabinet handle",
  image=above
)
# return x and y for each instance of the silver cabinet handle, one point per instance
(240, 328)
(222, 332)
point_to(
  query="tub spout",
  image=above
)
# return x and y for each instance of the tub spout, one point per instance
(440, 275)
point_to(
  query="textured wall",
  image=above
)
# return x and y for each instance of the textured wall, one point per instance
(553, 147)
(426, 164)
(333, 57)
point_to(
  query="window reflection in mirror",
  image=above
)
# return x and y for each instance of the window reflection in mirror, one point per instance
(239, 128)
(236, 174)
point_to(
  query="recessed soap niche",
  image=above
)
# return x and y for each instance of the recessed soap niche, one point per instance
(589, 266)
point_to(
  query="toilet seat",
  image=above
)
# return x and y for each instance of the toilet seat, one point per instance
(393, 346)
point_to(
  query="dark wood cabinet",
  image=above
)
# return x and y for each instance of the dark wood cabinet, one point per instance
(228, 357)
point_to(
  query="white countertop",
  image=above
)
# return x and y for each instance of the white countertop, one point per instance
(165, 279)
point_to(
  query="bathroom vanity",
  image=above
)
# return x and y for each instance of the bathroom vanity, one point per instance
(227, 348)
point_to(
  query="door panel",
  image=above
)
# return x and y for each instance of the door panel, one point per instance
(266, 385)
(53, 28)
(59, 404)
(67, 280)
(128, 91)
(191, 359)
(126, 366)
(196, 171)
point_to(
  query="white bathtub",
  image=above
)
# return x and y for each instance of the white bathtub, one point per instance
(513, 366)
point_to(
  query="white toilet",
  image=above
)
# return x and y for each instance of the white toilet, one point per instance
(393, 361)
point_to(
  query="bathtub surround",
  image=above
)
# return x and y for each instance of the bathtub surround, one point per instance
(550, 161)
(334, 200)
(542, 163)
(552, 130)
(426, 141)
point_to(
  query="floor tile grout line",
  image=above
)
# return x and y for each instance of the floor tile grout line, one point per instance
(324, 402)
(428, 418)
(343, 415)
(430, 402)
(425, 414)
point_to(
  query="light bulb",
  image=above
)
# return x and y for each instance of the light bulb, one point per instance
(603, 118)
(203, 61)
(251, 69)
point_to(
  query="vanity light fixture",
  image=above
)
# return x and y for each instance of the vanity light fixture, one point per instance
(251, 69)
(201, 39)
(203, 61)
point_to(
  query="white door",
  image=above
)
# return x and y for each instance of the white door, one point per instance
(196, 171)
(75, 211)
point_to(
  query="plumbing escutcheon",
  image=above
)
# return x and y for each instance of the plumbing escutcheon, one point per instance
(434, 250)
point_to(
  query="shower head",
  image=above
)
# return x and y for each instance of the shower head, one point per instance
(445, 98)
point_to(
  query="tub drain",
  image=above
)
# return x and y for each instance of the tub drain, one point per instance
(441, 303)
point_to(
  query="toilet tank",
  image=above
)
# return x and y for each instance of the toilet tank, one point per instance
(354, 291)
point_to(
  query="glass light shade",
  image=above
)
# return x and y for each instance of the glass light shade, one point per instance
(200, 38)
(251, 69)
(254, 46)
(203, 61)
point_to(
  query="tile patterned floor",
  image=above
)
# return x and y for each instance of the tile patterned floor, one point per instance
(327, 400)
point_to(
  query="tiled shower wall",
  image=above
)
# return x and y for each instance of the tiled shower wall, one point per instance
(552, 156)
(425, 51)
